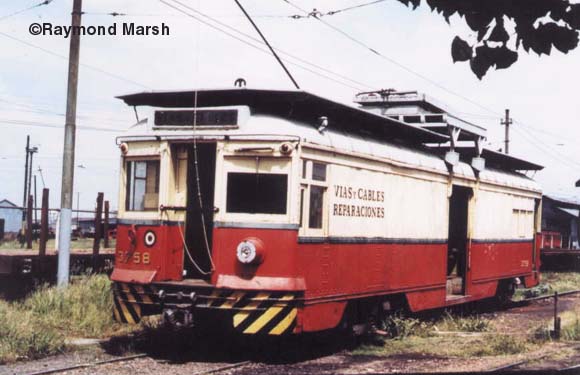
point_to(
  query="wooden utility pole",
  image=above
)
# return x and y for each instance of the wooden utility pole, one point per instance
(43, 224)
(35, 201)
(106, 226)
(98, 230)
(68, 158)
(507, 122)
(25, 195)
(29, 223)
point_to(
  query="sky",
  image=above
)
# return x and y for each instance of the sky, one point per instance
(541, 93)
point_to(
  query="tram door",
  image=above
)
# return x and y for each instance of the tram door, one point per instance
(199, 217)
(457, 240)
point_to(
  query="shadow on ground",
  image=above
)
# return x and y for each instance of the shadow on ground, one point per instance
(188, 345)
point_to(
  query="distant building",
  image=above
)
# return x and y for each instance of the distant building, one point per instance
(11, 216)
(560, 223)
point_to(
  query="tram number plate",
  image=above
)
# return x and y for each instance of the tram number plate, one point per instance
(524, 263)
(136, 258)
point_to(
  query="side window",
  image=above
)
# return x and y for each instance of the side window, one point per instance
(257, 193)
(142, 185)
(313, 196)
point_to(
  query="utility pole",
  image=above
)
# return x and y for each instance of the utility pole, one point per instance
(507, 122)
(25, 185)
(35, 201)
(31, 152)
(68, 157)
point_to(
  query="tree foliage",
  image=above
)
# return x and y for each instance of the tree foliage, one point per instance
(504, 27)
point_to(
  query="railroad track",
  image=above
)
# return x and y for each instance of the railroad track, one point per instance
(130, 358)
(539, 298)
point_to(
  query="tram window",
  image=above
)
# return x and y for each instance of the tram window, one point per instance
(318, 172)
(142, 185)
(316, 206)
(257, 193)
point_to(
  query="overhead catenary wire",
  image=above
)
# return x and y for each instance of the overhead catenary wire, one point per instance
(356, 85)
(34, 109)
(402, 66)
(88, 66)
(45, 125)
(389, 59)
(316, 13)
(268, 44)
(45, 2)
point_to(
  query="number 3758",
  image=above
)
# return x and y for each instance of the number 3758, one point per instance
(137, 257)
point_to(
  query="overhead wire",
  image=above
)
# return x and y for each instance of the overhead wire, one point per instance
(549, 151)
(440, 86)
(44, 125)
(92, 67)
(357, 85)
(33, 109)
(316, 13)
(45, 2)
(387, 58)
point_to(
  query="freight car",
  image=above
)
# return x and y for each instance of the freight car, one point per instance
(276, 212)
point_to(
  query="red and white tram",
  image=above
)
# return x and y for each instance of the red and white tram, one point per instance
(274, 212)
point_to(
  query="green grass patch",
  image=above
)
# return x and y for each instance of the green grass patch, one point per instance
(551, 282)
(451, 346)
(451, 335)
(470, 323)
(38, 326)
(80, 243)
(23, 336)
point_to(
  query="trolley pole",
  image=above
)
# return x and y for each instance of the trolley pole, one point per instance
(507, 122)
(68, 157)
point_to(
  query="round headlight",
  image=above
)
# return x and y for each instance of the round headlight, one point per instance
(250, 251)
(246, 252)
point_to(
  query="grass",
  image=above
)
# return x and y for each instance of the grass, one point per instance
(38, 326)
(409, 335)
(81, 243)
(551, 282)
(471, 323)
(451, 346)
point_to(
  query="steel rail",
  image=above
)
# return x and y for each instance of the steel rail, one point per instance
(86, 365)
(224, 368)
(562, 294)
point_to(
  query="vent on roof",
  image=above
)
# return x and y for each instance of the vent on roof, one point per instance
(200, 117)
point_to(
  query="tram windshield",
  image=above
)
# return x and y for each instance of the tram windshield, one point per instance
(142, 185)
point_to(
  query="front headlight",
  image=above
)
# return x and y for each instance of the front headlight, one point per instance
(250, 251)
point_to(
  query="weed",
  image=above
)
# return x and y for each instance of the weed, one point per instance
(38, 326)
(572, 331)
(22, 335)
(84, 308)
(465, 323)
(398, 326)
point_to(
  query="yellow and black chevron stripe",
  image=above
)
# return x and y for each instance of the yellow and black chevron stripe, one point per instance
(128, 298)
(269, 313)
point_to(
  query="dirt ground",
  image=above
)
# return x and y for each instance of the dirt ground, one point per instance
(319, 354)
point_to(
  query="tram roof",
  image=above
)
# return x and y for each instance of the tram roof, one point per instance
(293, 104)
(494, 159)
